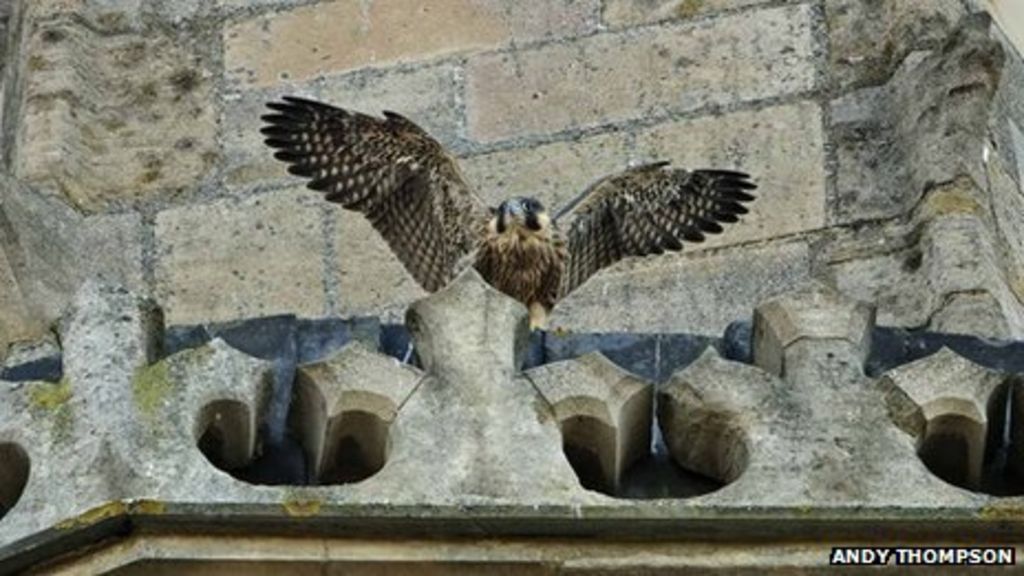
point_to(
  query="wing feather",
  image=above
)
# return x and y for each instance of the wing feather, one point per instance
(645, 210)
(388, 169)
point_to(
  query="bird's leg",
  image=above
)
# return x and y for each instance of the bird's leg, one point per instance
(538, 316)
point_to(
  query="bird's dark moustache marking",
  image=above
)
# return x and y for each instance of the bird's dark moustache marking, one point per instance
(532, 222)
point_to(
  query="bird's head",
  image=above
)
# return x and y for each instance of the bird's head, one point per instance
(520, 214)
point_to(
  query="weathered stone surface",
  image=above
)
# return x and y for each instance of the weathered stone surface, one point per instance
(703, 412)
(618, 13)
(694, 293)
(56, 249)
(743, 425)
(927, 125)
(602, 411)
(1008, 212)
(818, 313)
(107, 335)
(109, 118)
(465, 426)
(236, 258)
(297, 45)
(428, 96)
(354, 396)
(914, 270)
(869, 39)
(1007, 121)
(945, 394)
(916, 148)
(963, 260)
(371, 279)
(650, 72)
(781, 147)
(468, 434)
(14, 308)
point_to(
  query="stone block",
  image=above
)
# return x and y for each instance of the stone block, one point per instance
(781, 147)
(1007, 122)
(57, 249)
(868, 40)
(108, 119)
(698, 293)
(646, 73)
(817, 313)
(14, 309)
(238, 258)
(371, 280)
(428, 96)
(347, 403)
(466, 424)
(297, 45)
(947, 255)
(705, 413)
(947, 395)
(603, 412)
(1008, 212)
(927, 125)
(621, 13)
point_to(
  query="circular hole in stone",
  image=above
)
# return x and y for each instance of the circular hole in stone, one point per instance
(603, 463)
(981, 453)
(314, 448)
(14, 470)
(230, 438)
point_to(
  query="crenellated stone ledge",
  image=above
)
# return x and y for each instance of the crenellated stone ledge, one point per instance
(469, 443)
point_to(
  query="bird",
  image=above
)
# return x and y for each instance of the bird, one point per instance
(413, 193)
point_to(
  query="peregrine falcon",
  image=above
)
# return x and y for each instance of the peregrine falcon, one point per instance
(410, 189)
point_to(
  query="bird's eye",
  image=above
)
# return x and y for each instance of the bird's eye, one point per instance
(533, 205)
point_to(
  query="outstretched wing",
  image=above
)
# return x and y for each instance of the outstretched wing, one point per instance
(648, 210)
(390, 170)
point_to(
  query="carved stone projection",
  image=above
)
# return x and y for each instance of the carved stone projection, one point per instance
(469, 444)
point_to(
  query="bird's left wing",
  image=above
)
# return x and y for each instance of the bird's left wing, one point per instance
(647, 210)
(391, 171)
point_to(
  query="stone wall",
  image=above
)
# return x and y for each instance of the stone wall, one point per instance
(886, 138)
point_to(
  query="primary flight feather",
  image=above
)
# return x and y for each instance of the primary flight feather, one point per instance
(411, 191)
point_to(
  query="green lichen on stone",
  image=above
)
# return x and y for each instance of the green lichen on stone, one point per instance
(688, 8)
(194, 357)
(298, 504)
(957, 197)
(51, 399)
(150, 387)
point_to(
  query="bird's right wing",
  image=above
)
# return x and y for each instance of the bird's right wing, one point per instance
(392, 172)
(647, 210)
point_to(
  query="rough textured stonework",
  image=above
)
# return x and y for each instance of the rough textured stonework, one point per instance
(139, 208)
(127, 433)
